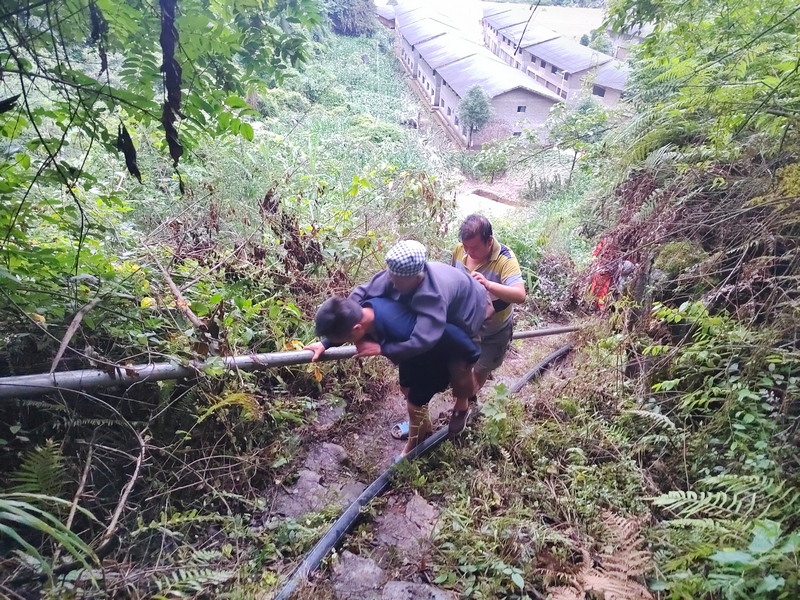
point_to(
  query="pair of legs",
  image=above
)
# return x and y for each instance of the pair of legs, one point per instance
(420, 380)
(493, 351)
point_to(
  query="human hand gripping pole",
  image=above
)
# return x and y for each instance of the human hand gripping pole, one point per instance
(317, 348)
(367, 348)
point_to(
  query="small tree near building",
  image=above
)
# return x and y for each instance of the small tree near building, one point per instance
(475, 111)
(577, 126)
(600, 41)
(585, 39)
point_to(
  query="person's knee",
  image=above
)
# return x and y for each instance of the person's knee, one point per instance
(464, 385)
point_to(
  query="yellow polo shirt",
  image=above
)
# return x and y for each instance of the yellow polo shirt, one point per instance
(501, 267)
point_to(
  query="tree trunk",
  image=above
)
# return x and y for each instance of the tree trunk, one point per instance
(572, 168)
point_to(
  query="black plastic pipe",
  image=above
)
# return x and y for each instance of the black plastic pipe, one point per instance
(343, 524)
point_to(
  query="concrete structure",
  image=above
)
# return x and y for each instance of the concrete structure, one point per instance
(562, 65)
(610, 80)
(416, 33)
(516, 99)
(444, 66)
(385, 15)
(624, 41)
(409, 12)
(512, 40)
(439, 52)
(494, 21)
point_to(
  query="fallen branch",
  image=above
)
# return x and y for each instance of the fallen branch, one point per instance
(73, 327)
(111, 530)
(81, 485)
(180, 301)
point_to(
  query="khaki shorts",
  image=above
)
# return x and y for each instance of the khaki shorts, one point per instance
(493, 349)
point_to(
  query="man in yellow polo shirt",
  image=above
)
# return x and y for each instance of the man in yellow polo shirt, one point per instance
(495, 267)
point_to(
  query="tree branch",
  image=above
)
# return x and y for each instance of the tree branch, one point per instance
(73, 327)
(180, 301)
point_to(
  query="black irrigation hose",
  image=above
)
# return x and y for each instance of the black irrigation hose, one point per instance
(343, 524)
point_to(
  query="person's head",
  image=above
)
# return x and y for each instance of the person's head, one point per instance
(339, 319)
(476, 236)
(406, 263)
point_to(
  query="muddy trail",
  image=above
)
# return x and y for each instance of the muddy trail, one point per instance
(387, 554)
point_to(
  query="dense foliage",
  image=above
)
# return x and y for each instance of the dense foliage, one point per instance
(475, 110)
(289, 184)
(271, 169)
(352, 17)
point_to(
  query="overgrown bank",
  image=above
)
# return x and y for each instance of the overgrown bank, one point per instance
(660, 463)
(290, 196)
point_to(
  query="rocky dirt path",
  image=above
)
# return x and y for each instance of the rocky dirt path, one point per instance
(391, 563)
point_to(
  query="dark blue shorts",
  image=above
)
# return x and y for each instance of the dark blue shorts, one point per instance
(429, 373)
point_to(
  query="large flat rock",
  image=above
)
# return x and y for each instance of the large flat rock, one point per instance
(407, 528)
(326, 458)
(405, 590)
(307, 495)
(357, 578)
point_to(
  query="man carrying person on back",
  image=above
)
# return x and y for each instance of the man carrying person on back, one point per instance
(495, 267)
(385, 321)
(437, 294)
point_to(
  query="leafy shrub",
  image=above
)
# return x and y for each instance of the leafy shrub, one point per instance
(367, 128)
(274, 102)
(352, 17)
(730, 388)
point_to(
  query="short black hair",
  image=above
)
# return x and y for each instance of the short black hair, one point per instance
(475, 225)
(337, 316)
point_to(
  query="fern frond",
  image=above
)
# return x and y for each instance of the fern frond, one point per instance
(204, 557)
(659, 158)
(649, 206)
(688, 504)
(612, 588)
(659, 420)
(41, 472)
(771, 497)
(565, 593)
(622, 564)
(651, 442)
(251, 409)
(69, 423)
(190, 582)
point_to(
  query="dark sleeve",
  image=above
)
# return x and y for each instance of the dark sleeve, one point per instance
(456, 343)
(431, 313)
(374, 288)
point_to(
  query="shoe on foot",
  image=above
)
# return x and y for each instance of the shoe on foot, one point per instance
(458, 422)
(400, 431)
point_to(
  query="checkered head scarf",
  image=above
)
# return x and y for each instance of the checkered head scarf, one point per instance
(406, 258)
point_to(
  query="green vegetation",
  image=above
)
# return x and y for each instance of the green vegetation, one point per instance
(352, 17)
(206, 211)
(288, 189)
(475, 110)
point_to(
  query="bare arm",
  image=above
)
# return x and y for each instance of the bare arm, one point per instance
(513, 294)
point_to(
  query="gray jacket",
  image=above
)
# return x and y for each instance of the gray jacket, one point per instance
(446, 295)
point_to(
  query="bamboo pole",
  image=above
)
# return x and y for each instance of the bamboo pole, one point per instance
(23, 386)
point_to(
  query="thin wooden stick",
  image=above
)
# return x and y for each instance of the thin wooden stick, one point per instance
(73, 327)
(180, 301)
(81, 485)
(126, 492)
